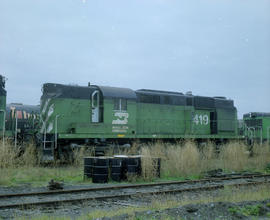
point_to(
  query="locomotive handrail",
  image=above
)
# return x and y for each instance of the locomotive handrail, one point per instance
(55, 131)
(4, 119)
(16, 128)
(268, 134)
(261, 135)
(251, 130)
(45, 130)
(44, 135)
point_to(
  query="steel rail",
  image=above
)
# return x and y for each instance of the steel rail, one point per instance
(128, 186)
(173, 191)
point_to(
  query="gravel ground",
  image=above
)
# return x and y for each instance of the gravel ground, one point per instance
(220, 210)
(39, 198)
(199, 211)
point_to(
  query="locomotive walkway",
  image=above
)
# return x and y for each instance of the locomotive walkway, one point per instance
(58, 197)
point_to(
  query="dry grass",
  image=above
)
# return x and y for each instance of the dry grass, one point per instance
(234, 156)
(181, 160)
(17, 167)
(149, 165)
(185, 160)
(176, 160)
(11, 157)
(261, 156)
(79, 154)
(7, 155)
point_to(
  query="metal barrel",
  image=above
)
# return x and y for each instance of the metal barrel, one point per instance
(88, 166)
(100, 172)
(123, 159)
(116, 169)
(134, 165)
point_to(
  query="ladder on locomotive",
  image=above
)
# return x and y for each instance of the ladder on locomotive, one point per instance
(48, 148)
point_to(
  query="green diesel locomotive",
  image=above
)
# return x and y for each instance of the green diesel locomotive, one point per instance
(100, 115)
(257, 127)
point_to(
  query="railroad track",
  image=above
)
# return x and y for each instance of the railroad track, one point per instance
(116, 192)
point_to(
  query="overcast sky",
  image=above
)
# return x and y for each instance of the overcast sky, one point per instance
(209, 47)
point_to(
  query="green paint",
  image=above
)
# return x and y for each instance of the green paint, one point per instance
(140, 120)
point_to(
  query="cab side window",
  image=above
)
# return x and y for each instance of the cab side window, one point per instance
(120, 104)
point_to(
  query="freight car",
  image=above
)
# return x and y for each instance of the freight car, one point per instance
(17, 121)
(21, 121)
(99, 115)
(257, 127)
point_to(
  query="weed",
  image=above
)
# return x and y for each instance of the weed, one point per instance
(44, 217)
(247, 210)
(267, 169)
(233, 210)
(253, 210)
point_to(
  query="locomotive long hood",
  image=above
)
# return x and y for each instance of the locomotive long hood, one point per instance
(52, 90)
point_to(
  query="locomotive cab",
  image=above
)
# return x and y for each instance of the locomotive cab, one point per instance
(77, 115)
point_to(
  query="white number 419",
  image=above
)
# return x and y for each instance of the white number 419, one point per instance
(201, 119)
